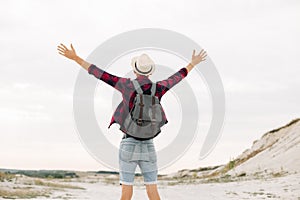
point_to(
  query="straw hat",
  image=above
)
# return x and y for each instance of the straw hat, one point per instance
(143, 65)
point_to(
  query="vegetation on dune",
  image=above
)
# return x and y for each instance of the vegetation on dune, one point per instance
(60, 174)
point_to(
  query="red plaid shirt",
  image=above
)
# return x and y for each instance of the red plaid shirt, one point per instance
(126, 87)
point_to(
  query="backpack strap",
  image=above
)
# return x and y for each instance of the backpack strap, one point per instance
(153, 89)
(137, 87)
(140, 93)
(141, 110)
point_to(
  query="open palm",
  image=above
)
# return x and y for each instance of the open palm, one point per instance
(69, 53)
(196, 59)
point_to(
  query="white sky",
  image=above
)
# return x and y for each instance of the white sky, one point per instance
(254, 45)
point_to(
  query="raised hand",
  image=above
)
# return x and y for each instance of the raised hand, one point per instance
(69, 53)
(196, 59)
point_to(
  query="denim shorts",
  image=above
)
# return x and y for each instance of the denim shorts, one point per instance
(134, 152)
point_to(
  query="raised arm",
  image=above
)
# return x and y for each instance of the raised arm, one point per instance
(179, 75)
(172, 80)
(114, 81)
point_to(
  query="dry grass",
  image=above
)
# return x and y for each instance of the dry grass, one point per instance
(285, 126)
(55, 185)
(29, 188)
(22, 193)
(6, 177)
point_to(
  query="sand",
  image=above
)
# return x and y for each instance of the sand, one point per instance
(284, 187)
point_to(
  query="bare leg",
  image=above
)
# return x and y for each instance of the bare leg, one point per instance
(152, 192)
(126, 192)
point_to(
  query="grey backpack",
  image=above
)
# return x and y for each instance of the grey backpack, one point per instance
(146, 116)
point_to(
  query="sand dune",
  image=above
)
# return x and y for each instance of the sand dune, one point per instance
(277, 151)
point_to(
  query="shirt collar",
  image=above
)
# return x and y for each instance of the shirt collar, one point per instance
(143, 79)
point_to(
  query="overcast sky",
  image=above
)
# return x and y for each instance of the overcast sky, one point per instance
(254, 45)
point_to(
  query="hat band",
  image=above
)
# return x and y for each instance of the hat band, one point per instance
(141, 71)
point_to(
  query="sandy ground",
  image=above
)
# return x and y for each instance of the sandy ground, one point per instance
(286, 187)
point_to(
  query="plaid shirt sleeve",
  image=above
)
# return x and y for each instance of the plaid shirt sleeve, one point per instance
(168, 83)
(112, 80)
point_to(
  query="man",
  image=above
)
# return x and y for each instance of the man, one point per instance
(143, 66)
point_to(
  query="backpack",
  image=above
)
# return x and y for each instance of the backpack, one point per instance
(146, 116)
